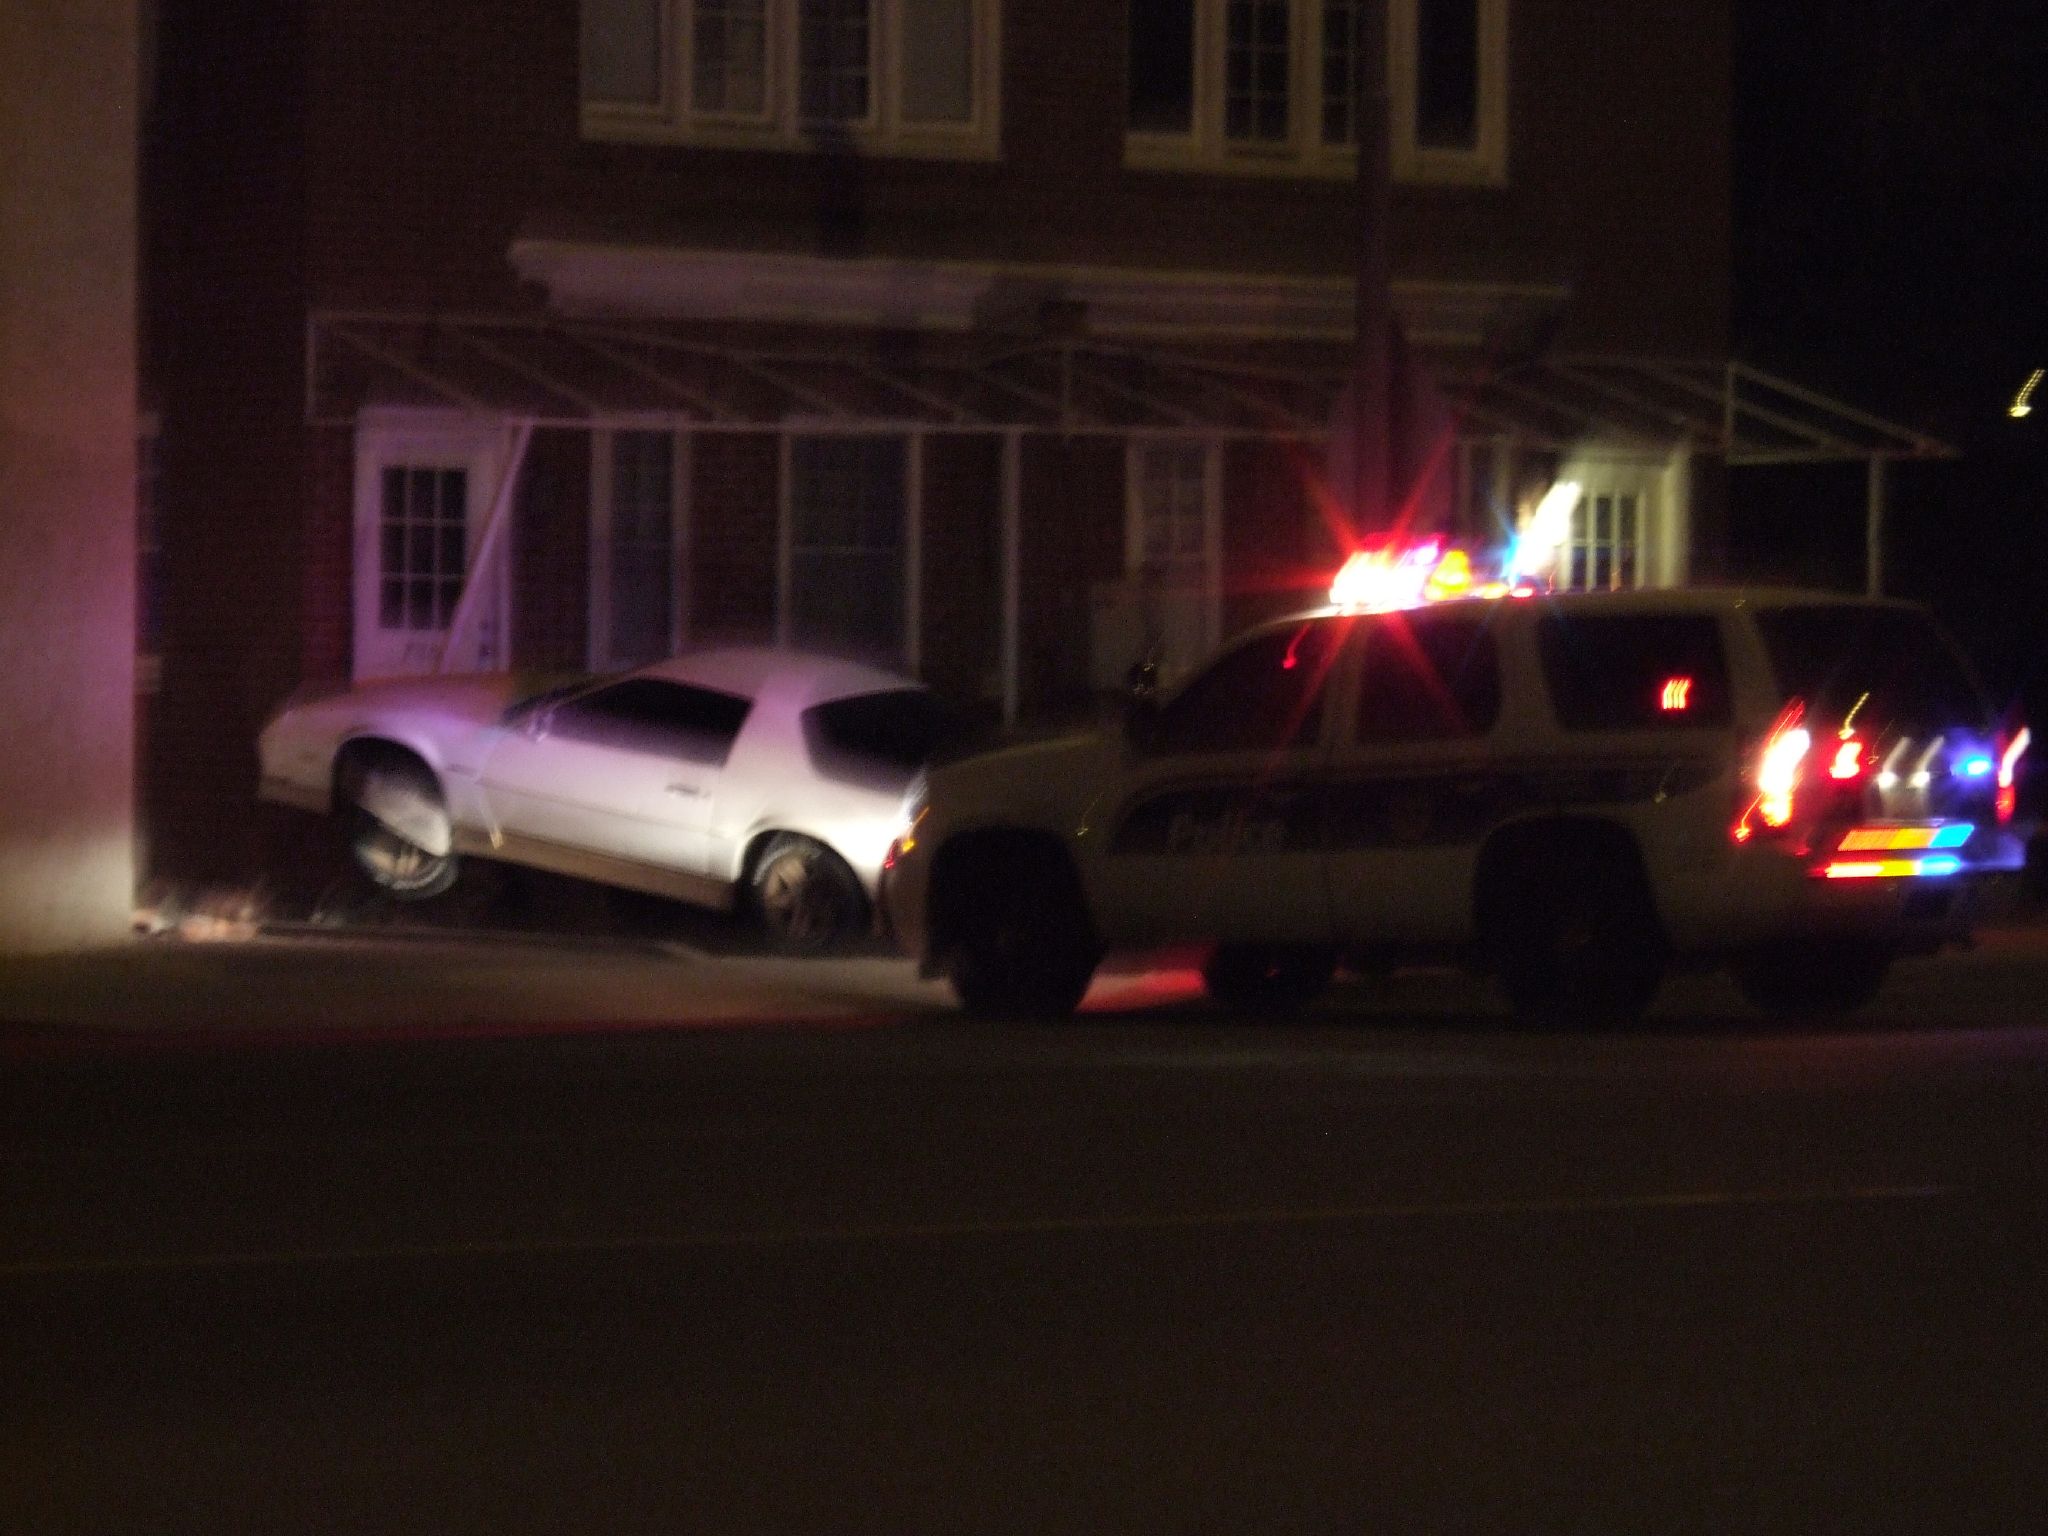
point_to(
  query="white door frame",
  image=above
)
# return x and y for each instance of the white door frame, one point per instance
(427, 439)
(681, 502)
(1664, 514)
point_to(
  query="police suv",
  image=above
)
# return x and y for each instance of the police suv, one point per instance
(1573, 793)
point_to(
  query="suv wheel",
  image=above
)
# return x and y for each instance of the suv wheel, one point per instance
(1814, 978)
(1022, 945)
(1582, 947)
(1270, 978)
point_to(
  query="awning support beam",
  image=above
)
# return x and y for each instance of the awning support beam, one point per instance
(456, 644)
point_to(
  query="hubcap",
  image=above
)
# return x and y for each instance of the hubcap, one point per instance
(795, 902)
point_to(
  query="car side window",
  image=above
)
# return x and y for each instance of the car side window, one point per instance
(661, 719)
(1266, 695)
(1427, 677)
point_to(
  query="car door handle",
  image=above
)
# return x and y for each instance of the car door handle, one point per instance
(687, 791)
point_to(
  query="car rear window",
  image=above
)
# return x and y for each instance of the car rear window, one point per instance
(1894, 662)
(880, 740)
(1635, 672)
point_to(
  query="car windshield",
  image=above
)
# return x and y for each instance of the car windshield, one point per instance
(881, 739)
(1834, 655)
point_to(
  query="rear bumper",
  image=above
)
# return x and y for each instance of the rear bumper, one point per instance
(1772, 895)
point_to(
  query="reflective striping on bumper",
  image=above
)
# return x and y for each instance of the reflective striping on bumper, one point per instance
(1890, 869)
(1907, 839)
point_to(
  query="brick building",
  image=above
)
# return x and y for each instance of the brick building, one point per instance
(1000, 338)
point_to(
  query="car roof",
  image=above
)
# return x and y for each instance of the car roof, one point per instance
(799, 678)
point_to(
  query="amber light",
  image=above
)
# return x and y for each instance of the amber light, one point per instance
(1778, 770)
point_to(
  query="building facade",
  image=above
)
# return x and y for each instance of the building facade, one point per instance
(1008, 342)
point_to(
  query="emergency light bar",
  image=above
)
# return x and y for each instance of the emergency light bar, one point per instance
(1388, 577)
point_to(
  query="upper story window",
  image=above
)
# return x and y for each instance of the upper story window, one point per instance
(1271, 86)
(902, 77)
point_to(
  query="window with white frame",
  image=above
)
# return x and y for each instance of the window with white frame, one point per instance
(847, 547)
(1271, 85)
(1171, 512)
(1173, 548)
(636, 607)
(1604, 551)
(905, 77)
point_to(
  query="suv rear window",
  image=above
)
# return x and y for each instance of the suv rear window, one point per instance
(1635, 672)
(879, 740)
(1832, 655)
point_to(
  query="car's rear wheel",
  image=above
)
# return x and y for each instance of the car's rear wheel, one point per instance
(1272, 978)
(1021, 943)
(1581, 946)
(806, 898)
(1820, 978)
(390, 859)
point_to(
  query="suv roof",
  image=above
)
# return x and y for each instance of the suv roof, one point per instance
(1701, 599)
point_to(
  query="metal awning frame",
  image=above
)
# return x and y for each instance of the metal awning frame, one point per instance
(556, 372)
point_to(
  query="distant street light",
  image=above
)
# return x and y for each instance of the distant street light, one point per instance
(2023, 402)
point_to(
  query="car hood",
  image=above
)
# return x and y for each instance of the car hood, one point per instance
(1048, 783)
(480, 698)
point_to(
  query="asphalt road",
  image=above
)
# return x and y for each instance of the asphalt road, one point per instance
(1388, 1268)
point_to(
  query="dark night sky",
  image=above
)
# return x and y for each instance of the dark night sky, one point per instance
(1891, 182)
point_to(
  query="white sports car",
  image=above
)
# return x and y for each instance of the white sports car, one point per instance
(722, 777)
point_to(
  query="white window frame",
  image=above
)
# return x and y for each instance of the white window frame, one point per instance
(1212, 524)
(1206, 148)
(780, 126)
(1660, 486)
(602, 461)
(912, 655)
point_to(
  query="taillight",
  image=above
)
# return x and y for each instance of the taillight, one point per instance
(1779, 766)
(2009, 756)
(1849, 761)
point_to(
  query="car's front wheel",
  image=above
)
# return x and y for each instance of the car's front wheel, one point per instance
(396, 819)
(1268, 978)
(1022, 945)
(805, 896)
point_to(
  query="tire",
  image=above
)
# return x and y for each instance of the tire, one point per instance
(805, 898)
(1023, 946)
(1267, 978)
(1581, 947)
(1820, 978)
(393, 863)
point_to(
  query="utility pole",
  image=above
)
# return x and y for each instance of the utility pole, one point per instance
(1375, 493)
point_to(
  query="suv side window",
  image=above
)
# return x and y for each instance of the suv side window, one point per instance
(1635, 672)
(663, 719)
(1265, 695)
(1427, 677)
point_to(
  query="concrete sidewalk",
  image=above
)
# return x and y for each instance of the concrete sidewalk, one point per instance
(287, 984)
